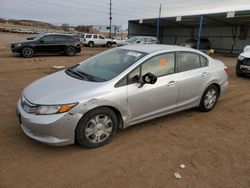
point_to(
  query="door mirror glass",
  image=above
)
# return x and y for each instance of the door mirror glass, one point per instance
(148, 78)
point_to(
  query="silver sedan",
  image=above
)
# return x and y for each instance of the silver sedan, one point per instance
(118, 88)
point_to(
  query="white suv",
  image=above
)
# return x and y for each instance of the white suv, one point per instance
(92, 40)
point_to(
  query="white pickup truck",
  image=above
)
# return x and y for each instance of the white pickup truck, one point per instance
(243, 63)
(92, 40)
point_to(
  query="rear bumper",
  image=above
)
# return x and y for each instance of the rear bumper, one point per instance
(56, 130)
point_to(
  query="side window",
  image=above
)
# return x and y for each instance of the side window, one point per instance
(95, 37)
(160, 65)
(101, 37)
(188, 61)
(60, 38)
(88, 36)
(203, 61)
(134, 76)
(48, 38)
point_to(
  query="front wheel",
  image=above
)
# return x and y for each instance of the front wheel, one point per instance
(96, 127)
(91, 44)
(27, 52)
(209, 99)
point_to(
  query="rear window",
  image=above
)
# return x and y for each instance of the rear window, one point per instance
(190, 61)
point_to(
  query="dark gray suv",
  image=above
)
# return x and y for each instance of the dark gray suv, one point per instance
(48, 44)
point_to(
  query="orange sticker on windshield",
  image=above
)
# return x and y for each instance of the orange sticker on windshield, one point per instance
(163, 62)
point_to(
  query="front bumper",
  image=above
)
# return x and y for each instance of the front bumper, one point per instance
(56, 130)
(243, 66)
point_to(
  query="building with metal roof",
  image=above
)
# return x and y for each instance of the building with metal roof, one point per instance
(227, 31)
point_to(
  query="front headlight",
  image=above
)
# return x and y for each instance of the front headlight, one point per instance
(54, 109)
(18, 45)
(241, 58)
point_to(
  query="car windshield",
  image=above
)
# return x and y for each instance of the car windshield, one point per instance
(109, 64)
(132, 39)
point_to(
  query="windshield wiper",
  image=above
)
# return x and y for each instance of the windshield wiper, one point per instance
(79, 74)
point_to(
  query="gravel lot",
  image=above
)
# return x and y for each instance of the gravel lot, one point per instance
(214, 146)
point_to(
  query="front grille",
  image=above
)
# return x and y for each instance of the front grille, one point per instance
(246, 62)
(28, 106)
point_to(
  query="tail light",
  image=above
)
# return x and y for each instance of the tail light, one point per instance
(226, 69)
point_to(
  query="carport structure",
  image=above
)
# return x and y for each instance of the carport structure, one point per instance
(227, 31)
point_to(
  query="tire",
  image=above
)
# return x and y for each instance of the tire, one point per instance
(238, 71)
(209, 98)
(109, 44)
(91, 44)
(93, 130)
(27, 52)
(70, 51)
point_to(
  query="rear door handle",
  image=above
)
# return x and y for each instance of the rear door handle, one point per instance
(204, 74)
(171, 83)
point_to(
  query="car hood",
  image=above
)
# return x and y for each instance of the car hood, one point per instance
(246, 54)
(22, 42)
(60, 88)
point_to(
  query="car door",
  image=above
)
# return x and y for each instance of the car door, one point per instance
(61, 43)
(102, 40)
(96, 40)
(46, 44)
(153, 100)
(192, 77)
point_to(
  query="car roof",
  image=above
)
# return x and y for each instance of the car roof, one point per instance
(62, 34)
(150, 48)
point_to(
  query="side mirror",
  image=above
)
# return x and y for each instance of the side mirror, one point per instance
(138, 42)
(148, 78)
(41, 41)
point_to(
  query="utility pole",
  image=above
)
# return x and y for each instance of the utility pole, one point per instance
(158, 23)
(110, 18)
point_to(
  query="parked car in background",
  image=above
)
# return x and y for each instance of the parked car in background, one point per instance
(119, 39)
(139, 40)
(80, 36)
(92, 40)
(243, 63)
(51, 43)
(90, 101)
(205, 43)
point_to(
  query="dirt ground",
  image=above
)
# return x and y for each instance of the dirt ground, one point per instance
(214, 146)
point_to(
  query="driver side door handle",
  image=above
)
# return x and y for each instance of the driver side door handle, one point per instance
(171, 83)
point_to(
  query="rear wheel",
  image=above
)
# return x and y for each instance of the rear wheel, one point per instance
(70, 51)
(96, 127)
(91, 44)
(209, 98)
(27, 52)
